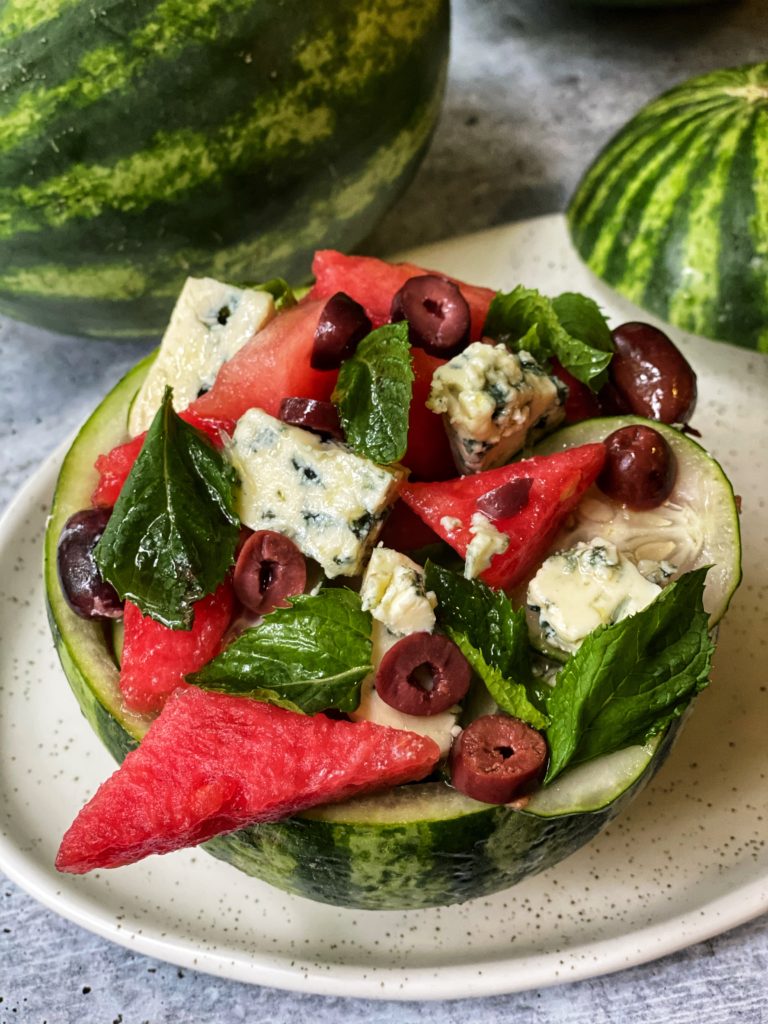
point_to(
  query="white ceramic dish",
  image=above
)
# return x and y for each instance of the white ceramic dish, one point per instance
(689, 859)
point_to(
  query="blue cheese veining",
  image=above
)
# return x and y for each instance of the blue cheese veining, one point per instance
(209, 324)
(393, 592)
(328, 500)
(494, 402)
(486, 542)
(575, 591)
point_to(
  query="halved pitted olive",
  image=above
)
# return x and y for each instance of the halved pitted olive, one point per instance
(423, 674)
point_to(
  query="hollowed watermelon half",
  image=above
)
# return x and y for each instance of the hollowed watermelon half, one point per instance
(414, 846)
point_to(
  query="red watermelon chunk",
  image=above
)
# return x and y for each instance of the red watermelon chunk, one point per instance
(428, 455)
(558, 483)
(113, 467)
(155, 658)
(272, 366)
(211, 764)
(373, 283)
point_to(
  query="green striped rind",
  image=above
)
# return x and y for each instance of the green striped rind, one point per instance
(415, 846)
(84, 648)
(144, 141)
(673, 213)
(421, 846)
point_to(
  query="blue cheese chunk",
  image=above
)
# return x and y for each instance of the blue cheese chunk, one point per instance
(575, 591)
(328, 500)
(486, 542)
(494, 402)
(209, 324)
(393, 592)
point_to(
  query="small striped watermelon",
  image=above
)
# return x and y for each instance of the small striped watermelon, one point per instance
(142, 141)
(673, 213)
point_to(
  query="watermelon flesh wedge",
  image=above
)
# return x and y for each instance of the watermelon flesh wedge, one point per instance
(211, 764)
(558, 483)
(373, 283)
(155, 659)
(273, 365)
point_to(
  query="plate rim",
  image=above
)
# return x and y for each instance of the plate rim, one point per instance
(668, 935)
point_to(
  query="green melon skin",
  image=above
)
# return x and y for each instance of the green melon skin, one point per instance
(416, 846)
(673, 213)
(142, 141)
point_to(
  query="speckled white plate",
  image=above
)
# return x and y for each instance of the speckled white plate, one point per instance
(687, 861)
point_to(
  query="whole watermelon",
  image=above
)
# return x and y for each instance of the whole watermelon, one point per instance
(145, 140)
(673, 213)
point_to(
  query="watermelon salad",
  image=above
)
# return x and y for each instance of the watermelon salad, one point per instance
(391, 594)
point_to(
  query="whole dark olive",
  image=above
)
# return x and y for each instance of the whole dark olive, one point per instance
(649, 376)
(437, 314)
(85, 591)
(640, 468)
(497, 758)
(423, 674)
(312, 414)
(269, 569)
(342, 326)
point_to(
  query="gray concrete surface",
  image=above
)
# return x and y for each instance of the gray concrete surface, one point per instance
(536, 87)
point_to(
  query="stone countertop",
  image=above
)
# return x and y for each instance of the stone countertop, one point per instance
(535, 88)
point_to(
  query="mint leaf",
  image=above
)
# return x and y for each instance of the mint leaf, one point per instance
(570, 328)
(510, 696)
(628, 681)
(311, 656)
(580, 316)
(492, 636)
(172, 535)
(373, 394)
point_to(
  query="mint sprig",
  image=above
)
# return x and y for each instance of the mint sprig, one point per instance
(373, 394)
(629, 680)
(308, 657)
(492, 636)
(570, 328)
(172, 535)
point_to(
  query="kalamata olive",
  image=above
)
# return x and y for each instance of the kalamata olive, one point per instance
(423, 674)
(640, 467)
(311, 414)
(650, 376)
(269, 568)
(340, 329)
(496, 759)
(85, 591)
(506, 501)
(437, 314)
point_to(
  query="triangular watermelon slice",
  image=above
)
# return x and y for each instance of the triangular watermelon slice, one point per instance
(211, 764)
(558, 482)
(272, 366)
(373, 283)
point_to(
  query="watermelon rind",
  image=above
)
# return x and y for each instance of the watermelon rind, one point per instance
(673, 213)
(144, 141)
(696, 525)
(415, 846)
